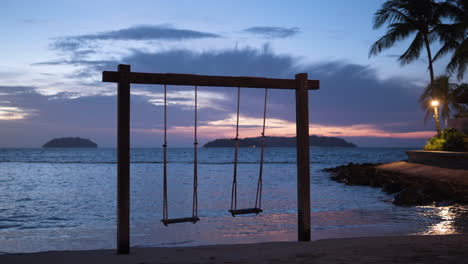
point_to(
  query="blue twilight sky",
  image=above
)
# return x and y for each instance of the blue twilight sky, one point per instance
(53, 53)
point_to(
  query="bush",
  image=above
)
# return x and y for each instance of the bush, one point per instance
(449, 140)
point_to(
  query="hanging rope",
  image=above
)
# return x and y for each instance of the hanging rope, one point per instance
(236, 150)
(195, 161)
(194, 217)
(258, 197)
(165, 209)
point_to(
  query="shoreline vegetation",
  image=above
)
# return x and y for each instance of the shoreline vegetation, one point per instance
(388, 249)
(413, 184)
(279, 142)
(70, 142)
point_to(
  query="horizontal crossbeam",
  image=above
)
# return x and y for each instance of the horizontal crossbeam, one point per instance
(204, 80)
(180, 220)
(245, 211)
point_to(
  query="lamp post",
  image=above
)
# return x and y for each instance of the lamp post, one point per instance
(435, 104)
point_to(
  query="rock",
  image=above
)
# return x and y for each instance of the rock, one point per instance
(391, 187)
(355, 174)
(410, 189)
(411, 196)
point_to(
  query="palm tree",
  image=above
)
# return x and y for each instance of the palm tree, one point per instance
(461, 96)
(406, 18)
(454, 36)
(445, 92)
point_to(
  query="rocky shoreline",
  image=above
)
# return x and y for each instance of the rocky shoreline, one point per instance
(408, 190)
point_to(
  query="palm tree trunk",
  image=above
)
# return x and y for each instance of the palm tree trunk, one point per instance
(429, 56)
(431, 73)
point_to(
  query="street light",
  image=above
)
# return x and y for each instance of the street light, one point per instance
(435, 104)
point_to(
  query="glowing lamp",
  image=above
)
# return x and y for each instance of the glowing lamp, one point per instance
(435, 103)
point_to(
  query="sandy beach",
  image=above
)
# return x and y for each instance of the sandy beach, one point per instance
(391, 249)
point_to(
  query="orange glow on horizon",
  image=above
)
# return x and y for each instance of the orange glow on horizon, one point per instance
(251, 127)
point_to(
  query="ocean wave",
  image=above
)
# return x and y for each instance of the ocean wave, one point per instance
(155, 162)
(9, 226)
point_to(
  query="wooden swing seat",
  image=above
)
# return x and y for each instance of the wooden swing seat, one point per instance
(192, 219)
(245, 211)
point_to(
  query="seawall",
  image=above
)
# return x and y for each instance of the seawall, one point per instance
(427, 177)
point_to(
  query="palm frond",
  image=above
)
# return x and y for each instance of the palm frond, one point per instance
(454, 9)
(397, 32)
(459, 60)
(446, 48)
(413, 51)
(390, 14)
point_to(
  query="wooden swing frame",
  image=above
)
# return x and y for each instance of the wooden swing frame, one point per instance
(124, 77)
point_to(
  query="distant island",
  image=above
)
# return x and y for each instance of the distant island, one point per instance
(276, 142)
(70, 142)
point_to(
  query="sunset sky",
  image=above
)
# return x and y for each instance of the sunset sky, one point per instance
(53, 53)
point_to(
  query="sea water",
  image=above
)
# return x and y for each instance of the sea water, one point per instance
(65, 199)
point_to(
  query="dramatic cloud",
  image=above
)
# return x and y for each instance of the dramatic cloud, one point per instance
(350, 94)
(12, 113)
(352, 102)
(273, 32)
(17, 102)
(184, 98)
(141, 32)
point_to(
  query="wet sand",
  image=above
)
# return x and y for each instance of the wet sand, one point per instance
(391, 249)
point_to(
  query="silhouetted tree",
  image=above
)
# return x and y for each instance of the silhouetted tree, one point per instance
(446, 93)
(454, 36)
(406, 18)
(460, 95)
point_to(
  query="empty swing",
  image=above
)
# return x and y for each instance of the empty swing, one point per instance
(258, 197)
(194, 218)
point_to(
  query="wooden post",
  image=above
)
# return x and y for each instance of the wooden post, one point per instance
(123, 161)
(303, 173)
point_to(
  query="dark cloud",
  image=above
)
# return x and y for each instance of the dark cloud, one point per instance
(141, 32)
(242, 62)
(15, 90)
(350, 94)
(353, 94)
(67, 44)
(273, 32)
(84, 53)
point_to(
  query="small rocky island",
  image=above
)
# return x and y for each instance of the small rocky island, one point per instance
(70, 142)
(276, 142)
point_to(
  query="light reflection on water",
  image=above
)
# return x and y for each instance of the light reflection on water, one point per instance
(449, 220)
(65, 199)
